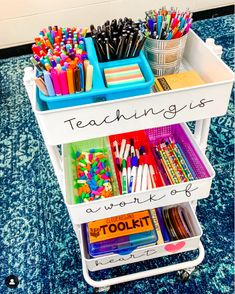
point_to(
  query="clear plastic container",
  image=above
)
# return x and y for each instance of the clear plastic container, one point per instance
(120, 234)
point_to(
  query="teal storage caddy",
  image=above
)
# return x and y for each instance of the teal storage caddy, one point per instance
(99, 91)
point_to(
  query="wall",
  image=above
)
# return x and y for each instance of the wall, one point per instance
(21, 20)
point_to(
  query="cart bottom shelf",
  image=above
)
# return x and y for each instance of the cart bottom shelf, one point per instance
(142, 253)
(187, 266)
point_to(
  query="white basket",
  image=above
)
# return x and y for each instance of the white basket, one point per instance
(144, 253)
(141, 112)
(122, 204)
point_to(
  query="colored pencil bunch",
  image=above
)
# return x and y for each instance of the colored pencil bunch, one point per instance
(93, 178)
(135, 167)
(174, 162)
(117, 39)
(167, 24)
(62, 62)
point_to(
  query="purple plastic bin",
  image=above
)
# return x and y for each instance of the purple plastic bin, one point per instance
(178, 134)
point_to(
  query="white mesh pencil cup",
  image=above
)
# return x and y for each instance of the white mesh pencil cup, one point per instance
(164, 56)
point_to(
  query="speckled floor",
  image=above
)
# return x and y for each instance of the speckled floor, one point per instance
(37, 242)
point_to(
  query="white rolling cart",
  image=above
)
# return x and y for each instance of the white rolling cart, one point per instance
(72, 124)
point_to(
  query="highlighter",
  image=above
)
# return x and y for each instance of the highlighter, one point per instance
(48, 82)
(89, 75)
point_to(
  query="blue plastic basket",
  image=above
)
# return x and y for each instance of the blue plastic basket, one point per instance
(99, 91)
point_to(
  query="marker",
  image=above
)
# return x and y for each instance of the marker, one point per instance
(139, 174)
(48, 83)
(124, 177)
(63, 82)
(82, 77)
(128, 171)
(70, 77)
(144, 184)
(117, 156)
(122, 148)
(132, 181)
(126, 153)
(77, 80)
(55, 81)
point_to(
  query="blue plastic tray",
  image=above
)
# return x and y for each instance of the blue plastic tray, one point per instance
(99, 91)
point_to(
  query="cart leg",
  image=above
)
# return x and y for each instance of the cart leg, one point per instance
(205, 133)
(102, 289)
(194, 205)
(28, 83)
(185, 273)
(198, 130)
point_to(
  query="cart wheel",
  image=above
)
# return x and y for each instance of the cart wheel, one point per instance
(103, 289)
(184, 275)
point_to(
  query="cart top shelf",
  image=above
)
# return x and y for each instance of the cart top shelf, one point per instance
(147, 111)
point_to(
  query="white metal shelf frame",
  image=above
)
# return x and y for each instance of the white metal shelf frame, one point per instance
(201, 133)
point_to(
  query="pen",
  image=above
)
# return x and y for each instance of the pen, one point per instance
(144, 182)
(121, 47)
(128, 47)
(140, 45)
(107, 49)
(139, 174)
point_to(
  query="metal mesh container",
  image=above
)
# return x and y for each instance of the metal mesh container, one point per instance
(164, 56)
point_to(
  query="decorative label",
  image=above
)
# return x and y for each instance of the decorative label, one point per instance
(174, 247)
(119, 226)
(149, 198)
(74, 123)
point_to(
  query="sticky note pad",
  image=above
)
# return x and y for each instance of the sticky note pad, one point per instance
(123, 75)
(176, 81)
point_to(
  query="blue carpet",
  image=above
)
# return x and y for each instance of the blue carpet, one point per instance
(37, 242)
